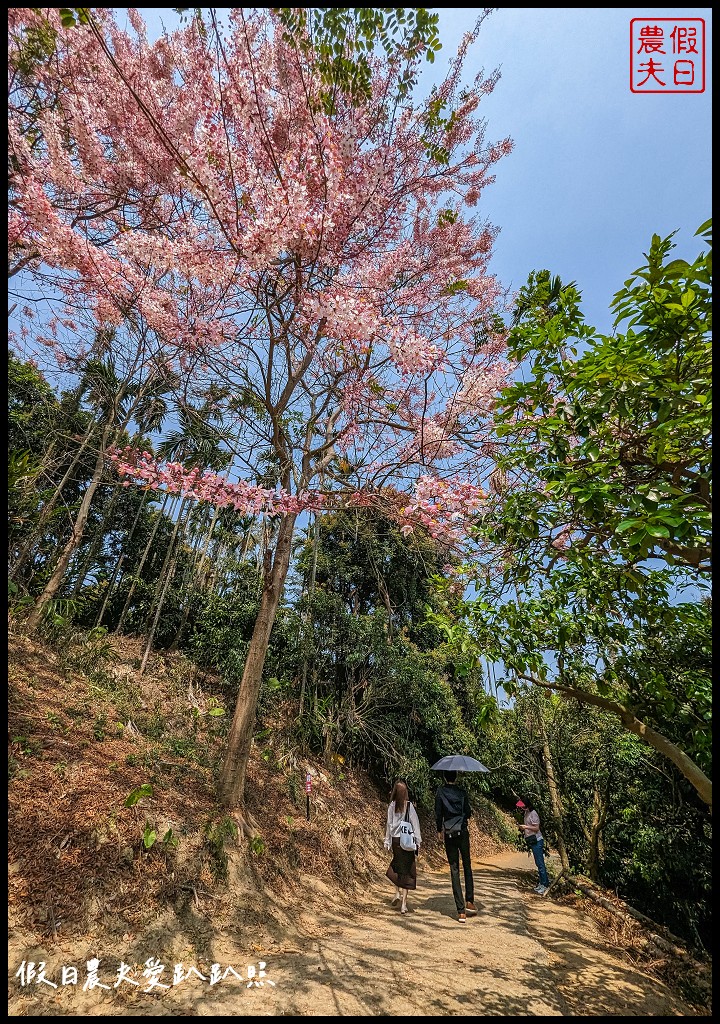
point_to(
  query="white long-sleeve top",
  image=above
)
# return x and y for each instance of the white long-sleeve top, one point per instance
(394, 821)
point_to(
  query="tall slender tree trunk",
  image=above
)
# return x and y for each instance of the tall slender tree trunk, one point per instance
(96, 543)
(166, 574)
(156, 617)
(193, 573)
(49, 507)
(555, 801)
(231, 785)
(143, 559)
(53, 584)
(121, 559)
(206, 547)
(596, 827)
(310, 591)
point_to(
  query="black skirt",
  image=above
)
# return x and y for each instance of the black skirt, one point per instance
(402, 871)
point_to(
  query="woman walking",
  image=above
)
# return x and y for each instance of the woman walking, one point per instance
(402, 872)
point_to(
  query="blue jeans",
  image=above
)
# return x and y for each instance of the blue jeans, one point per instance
(537, 852)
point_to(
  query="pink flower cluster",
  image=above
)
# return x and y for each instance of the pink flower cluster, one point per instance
(216, 490)
(193, 194)
(442, 507)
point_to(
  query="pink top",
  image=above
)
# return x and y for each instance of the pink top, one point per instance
(532, 818)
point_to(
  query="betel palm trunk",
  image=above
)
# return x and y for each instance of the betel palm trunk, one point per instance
(95, 545)
(231, 784)
(166, 574)
(58, 574)
(49, 507)
(192, 584)
(118, 565)
(143, 559)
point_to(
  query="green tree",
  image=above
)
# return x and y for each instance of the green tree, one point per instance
(628, 820)
(356, 652)
(339, 41)
(609, 449)
(605, 468)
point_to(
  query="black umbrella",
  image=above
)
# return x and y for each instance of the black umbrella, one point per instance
(458, 763)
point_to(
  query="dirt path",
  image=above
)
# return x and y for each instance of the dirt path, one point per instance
(522, 956)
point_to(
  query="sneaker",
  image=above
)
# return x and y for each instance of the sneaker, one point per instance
(470, 909)
(461, 917)
(542, 889)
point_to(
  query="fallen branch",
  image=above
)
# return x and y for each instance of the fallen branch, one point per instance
(555, 881)
(643, 918)
(626, 914)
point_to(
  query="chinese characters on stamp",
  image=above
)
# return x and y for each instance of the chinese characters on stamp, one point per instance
(667, 55)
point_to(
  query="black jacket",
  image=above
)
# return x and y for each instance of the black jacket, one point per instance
(451, 802)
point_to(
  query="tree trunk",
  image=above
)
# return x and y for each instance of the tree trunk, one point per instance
(231, 784)
(211, 530)
(137, 572)
(156, 617)
(167, 571)
(596, 826)
(555, 801)
(695, 776)
(310, 591)
(96, 543)
(192, 574)
(53, 584)
(121, 559)
(48, 508)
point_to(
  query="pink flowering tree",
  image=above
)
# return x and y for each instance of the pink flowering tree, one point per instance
(320, 274)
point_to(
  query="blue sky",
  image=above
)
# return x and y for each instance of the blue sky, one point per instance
(597, 169)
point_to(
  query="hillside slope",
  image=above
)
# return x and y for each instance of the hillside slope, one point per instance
(86, 732)
(168, 879)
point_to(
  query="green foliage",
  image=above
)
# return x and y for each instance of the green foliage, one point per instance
(217, 834)
(57, 616)
(629, 820)
(613, 444)
(223, 625)
(72, 16)
(257, 846)
(667, 670)
(340, 40)
(170, 840)
(149, 837)
(99, 727)
(606, 465)
(138, 794)
(358, 648)
(38, 46)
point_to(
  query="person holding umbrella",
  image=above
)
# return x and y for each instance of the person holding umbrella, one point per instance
(452, 814)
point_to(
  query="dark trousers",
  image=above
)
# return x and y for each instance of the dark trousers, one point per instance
(457, 846)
